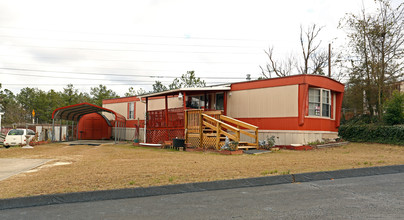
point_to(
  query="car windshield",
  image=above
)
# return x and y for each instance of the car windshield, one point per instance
(16, 132)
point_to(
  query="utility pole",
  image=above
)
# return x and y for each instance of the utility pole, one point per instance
(329, 60)
(1, 113)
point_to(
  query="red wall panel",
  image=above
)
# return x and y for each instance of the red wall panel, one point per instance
(292, 123)
(94, 127)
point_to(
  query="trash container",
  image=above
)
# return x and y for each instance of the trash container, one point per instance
(177, 143)
(136, 142)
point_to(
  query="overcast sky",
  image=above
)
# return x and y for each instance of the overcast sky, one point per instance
(47, 44)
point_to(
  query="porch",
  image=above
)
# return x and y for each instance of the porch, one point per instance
(199, 117)
(210, 129)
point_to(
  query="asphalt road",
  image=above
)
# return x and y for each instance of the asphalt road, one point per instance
(380, 196)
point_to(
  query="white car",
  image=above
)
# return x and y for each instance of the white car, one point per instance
(17, 137)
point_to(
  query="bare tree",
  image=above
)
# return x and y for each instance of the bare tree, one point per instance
(283, 68)
(319, 61)
(314, 59)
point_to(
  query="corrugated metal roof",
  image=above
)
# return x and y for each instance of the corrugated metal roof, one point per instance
(197, 89)
(75, 112)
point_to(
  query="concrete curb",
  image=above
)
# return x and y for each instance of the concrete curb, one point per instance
(192, 187)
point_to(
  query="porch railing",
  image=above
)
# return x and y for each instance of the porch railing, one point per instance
(240, 124)
(207, 129)
(160, 128)
(219, 128)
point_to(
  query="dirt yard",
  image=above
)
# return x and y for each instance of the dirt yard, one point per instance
(87, 168)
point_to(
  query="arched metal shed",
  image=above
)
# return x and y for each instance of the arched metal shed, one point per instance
(75, 112)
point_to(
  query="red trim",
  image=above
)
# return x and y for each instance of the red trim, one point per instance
(133, 123)
(184, 101)
(162, 97)
(332, 104)
(134, 110)
(311, 80)
(166, 111)
(130, 99)
(128, 113)
(119, 100)
(338, 106)
(303, 102)
(292, 123)
(147, 105)
(170, 128)
(290, 147)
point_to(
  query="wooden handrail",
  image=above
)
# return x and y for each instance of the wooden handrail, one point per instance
(197, 120)
(209, 125)
(238, 122)
(216, 112)
(217, 126)
(222, 123)
(247, 133)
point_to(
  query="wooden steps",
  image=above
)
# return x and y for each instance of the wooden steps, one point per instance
(243, 145)
(247, 147)
(212, 131)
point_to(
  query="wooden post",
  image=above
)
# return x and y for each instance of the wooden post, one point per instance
(205, 98)
(256, 137)
(166, 116)
(145, 120)
(329, 60)
(218, 128)
(201, 130)
(60, 130)
(184, 101)
(77, 130)
(186, 125)
(225, 103)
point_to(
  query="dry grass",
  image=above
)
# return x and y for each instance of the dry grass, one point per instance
(86, 168)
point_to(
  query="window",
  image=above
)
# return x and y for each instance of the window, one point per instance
(319, 102)
(131, 110)
(326, 103)
(219, 101)
(195, 102)
(16, 132)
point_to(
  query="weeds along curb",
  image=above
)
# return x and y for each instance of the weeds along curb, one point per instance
(192, 187)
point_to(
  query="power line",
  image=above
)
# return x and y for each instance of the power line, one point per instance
(90, 84)
(135, 50)
(137, 35)
(142, 61)
(114, 69)
(105, 74)
(64, 77)
(131, 43)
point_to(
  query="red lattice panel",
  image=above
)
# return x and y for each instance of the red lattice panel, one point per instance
(157, 118)
(158, 136)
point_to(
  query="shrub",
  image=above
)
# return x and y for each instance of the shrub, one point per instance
(362, 119)
(268, 143)
(394, 109)
(233, 145)
(373, 133)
